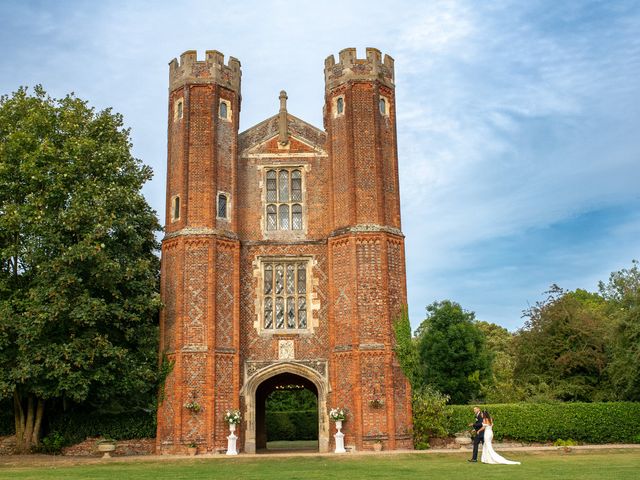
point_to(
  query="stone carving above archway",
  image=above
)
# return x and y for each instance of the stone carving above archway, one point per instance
(257, 372)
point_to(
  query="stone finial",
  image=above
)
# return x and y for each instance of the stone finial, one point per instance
(283, 134)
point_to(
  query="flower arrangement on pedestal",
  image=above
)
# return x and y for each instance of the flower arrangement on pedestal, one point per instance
(338, 414)
(232, 417)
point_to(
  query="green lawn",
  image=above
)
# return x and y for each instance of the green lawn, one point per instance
(618, 465)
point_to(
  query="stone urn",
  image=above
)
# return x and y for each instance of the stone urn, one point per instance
(106, 447)
(339, 437)
(231, 440)
(377, 447)
(192, 450)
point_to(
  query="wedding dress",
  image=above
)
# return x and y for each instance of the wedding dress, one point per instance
(489, 455)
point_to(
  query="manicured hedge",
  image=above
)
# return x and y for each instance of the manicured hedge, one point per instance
(299, 425)
(76, 427)
(617, 422)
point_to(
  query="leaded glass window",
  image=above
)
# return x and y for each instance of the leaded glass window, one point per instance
(302, 312)
(176, 208)
(279, 312)
(383, 106)
(223, 110)
(222, 206)
(284, 294)
(339, 105)
(296, 186)
(296, 217)
(268, 312)
(283, 186)
(283, 221)
(272, 221)
(283, 199)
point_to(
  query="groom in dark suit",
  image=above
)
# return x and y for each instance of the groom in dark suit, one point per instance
(477, 425)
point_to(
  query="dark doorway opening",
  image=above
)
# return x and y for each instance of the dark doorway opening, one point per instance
(286, 414)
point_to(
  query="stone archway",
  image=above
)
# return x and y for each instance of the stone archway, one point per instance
(250, 389)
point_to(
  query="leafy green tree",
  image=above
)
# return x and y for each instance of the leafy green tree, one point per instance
(622, 293)
(563, 349)
(78, 270)
(453, 355)
(502, 387)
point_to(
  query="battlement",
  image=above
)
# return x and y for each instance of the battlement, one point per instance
(349, 67)
(210, 70)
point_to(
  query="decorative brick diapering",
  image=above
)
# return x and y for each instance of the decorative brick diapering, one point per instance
(350, 240)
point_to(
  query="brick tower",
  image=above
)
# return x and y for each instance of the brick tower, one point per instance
(200, 251)
(365, 246)
(283, 259)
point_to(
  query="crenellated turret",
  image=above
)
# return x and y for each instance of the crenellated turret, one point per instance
(212, 70)
(350, 67)
(361, 127)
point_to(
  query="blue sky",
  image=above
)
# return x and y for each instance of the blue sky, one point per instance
(518, 122)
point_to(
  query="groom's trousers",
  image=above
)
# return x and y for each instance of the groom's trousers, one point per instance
(476, 441)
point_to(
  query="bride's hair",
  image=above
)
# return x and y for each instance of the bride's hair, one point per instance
(486, 415)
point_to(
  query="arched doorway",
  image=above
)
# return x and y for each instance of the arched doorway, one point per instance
(263, 382)
(281, 420)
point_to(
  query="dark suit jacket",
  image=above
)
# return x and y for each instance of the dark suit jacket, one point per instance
(478, 425)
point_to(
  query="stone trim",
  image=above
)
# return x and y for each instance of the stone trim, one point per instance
(366, 227)
(313, 302)
(210, 232)
(263, 371)
(284, 155)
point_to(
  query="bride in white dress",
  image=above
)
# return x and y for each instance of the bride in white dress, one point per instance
(489, 455)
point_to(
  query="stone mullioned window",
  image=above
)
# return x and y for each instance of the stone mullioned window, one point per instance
(284, 292)
(284, 199)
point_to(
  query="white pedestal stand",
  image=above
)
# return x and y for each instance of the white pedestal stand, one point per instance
(339, 436)
(231, 440)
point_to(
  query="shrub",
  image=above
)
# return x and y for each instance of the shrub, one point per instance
(52, 444)
(75, 427)
(565, 443)
(595, 423)
(430, 416)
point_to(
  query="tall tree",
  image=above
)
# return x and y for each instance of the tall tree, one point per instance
(622, 293)
(502, 387)
(562, 350)
(453, 354)
(78, 270)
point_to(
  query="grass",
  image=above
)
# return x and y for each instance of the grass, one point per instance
(619, 465)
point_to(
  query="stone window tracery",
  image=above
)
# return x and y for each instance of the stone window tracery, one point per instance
(284, 291)
(284, 199)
